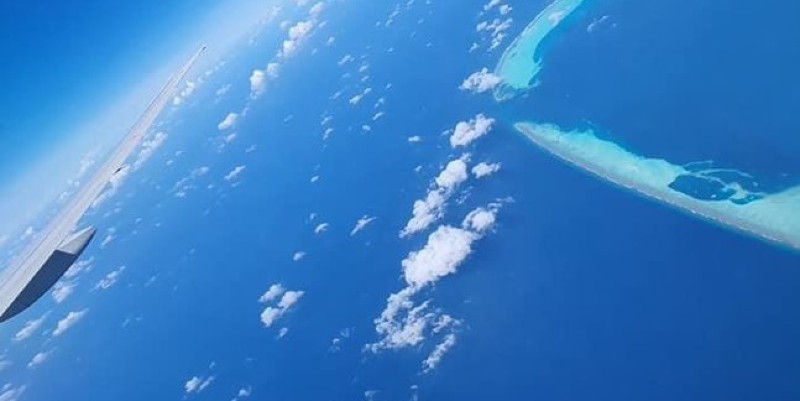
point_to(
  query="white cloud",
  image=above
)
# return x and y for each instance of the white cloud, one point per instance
(361, 224)
(272, 313)
(67, 322)
(297, 34)
(415, 139)
(235, 173)
(106, 240)
(272, 293)
(148, 148)
(4, 364)
(466, 132)
(438, 353)
(11, 393)
(289, 299)
(481, 219)
(259, 78)
(62, 290)
(244, 392)
(426, 211)
(345, 59)
(223, 90)
(401, 324)
(454, 173)
(30, 327)
(505, 9)
(187, 91)
(314, 179)
(298, 256)
(38, 359)
(481, 81)
(446, 249)
(78, 267)
(110, 279)
(484, 169)
(316, 9)
(228, 122)
(321, 228)
(496, 30)
(197, 384)
(491, 4)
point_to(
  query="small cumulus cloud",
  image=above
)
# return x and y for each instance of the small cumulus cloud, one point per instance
(38, 359)
(433, 360)
(288, 300)
(484, 169)
(197, 384)
(361, 224)
(62, 290)
(467, 132)
(228, 122)
(321, 228)
(234, 174)
(481, 81)
(110, 279)
(430, 209)
(68, 321)
(30, 327)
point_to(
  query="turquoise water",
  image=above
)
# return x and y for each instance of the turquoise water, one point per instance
(726, 196)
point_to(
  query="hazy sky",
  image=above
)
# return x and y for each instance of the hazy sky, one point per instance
(76, 74)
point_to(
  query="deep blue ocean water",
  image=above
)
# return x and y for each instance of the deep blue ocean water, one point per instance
(584, 292)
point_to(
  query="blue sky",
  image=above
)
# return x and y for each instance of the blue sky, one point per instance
(77, 75)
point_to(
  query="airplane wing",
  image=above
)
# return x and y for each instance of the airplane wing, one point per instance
(46, 261)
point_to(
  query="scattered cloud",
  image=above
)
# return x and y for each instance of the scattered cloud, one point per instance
(110, 279)
(438, 353)
(67, 322)
(297, 35)
(38, 359)
(274, 291)
(11, 393)
(197, 384)
(481, 81)
(260, 78)
(30, 327)
(234, 174)
(481, 219)
(62, 290)
(106, 240)
(467, 132)
(321, 228)
(272, 313)
(415, 139)
(228, 122)
(299, 255)
(185, 93)
(77, 268)
(496, 29)
(446, 249)
(361, 224)
(484, 169)
(426, 211)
